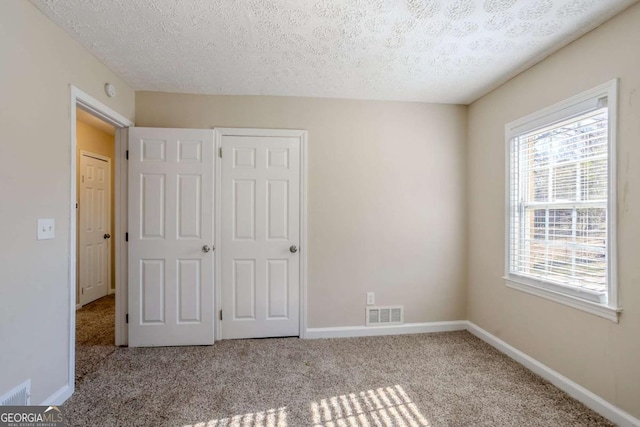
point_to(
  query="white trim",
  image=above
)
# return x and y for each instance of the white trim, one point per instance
(59, 396)
(80, 99)
(591, 295)
(304, 242)
(570, 107)
(217, 238)
(291, 133)
(303, 136)
(98, 109)
(601, 310)
(78, 307)
(588, 398)
(612, 207)
(98, 157)
(370, 331)
(73, 284)
(559, 111)
(121, 226)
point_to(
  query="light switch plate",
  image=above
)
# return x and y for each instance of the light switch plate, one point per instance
(46, 228)
(371, 298)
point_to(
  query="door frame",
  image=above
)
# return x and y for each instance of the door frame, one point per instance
(88, 103)
(302, 135)
(110, 242)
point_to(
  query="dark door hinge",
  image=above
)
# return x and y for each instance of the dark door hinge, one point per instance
(127, 318)
(220, 152)
(220, 314)
(126, 236)
(127, 154)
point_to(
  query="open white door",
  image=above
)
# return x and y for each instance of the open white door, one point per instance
(170, 237)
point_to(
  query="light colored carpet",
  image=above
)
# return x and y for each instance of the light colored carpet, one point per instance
(95, 335)
(446, 379)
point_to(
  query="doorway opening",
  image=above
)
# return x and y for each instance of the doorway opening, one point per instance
(95, 218)
(89, 286)
(95, 223)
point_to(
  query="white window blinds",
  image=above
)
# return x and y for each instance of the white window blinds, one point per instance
(558, 204)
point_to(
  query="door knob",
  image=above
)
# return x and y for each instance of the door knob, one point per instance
(207, 248)
(107, 236)
(293, 249)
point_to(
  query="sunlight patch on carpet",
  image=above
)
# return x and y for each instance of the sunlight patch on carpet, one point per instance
(269, 418)
(389, 406)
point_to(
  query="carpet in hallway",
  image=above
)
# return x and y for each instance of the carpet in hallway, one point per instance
(95, 334)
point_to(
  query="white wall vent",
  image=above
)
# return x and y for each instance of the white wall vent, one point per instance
(18, 396)
(379, 316)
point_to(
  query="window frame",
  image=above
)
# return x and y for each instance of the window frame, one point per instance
(573, 106)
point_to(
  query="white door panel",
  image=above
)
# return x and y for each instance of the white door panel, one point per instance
(260, 222)
(170, 222)
(94, 221)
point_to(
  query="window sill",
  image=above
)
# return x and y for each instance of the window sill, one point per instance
(610, 313)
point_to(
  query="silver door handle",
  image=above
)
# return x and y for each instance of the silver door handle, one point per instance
(293, 249)
(207, 248)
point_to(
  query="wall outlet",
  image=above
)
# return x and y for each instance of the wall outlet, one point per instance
(46, 228)
(371, 298)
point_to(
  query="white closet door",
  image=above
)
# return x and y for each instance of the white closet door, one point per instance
(260, 232)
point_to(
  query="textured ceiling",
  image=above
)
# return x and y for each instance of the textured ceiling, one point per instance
(449, 51)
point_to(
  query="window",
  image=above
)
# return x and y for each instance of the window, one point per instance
(561, 202)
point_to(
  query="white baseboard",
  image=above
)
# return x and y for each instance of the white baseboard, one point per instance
(59, 397)
(591, 400)
(78, 307)
(369, 331)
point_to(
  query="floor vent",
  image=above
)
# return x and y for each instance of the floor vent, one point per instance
(19, 396)
(379, 316)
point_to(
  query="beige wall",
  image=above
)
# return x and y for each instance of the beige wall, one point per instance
(596, 353)
(389, 186)
(39, 61)
(94, 140)
(386, 196)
